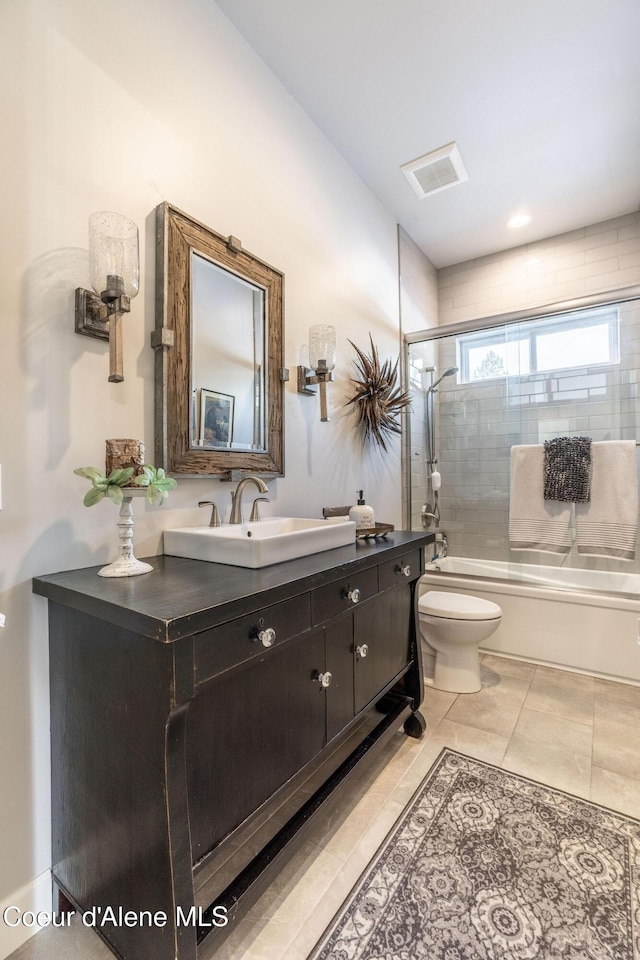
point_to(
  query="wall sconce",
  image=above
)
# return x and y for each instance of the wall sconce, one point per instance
(322, 359)
(114, 266)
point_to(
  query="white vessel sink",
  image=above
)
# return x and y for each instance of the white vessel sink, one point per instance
(259, 544)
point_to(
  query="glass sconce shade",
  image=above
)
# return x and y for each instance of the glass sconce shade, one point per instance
(321, 358)
(113, 252)
(322, 347)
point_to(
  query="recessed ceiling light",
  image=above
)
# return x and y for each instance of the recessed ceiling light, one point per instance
(520, 220)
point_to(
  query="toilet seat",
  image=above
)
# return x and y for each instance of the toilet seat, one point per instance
(457, 606)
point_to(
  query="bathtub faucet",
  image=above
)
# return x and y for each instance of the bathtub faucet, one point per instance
(442, 547)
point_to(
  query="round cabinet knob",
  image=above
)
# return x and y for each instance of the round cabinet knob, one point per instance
(362, 650)
(267, 637)
(353, 595)
(324, 679)
(405, 570)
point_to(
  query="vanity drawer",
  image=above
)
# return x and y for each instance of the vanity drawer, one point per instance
(403, 569)
(341, 595)
(239, 640)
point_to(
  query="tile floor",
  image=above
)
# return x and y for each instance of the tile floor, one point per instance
(578, 733)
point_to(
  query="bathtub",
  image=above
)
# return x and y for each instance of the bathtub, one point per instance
(581, 620)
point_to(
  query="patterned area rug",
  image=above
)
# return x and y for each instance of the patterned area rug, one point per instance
(487, 865)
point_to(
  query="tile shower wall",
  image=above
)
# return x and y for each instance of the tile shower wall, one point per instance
(600, 257)
(477, 424)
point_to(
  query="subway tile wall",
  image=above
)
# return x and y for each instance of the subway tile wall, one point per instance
(603, 256)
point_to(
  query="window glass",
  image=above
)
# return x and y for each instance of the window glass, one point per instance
(585, 338)
(580, 347)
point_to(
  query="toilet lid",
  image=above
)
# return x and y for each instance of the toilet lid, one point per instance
(458, 606)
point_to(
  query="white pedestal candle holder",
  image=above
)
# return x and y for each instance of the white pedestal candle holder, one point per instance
(126, 565)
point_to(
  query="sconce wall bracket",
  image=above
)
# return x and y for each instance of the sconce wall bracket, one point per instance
(92, 314)
(101, 317)
(307, 383)
(92, 319)
(308, 380)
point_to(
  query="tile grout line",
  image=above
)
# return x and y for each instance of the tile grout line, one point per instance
(506, 749)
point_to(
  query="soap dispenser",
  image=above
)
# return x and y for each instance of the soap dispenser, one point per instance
(362, 514)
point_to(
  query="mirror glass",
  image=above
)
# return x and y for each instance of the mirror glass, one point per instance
(227, 359)
(218, 341)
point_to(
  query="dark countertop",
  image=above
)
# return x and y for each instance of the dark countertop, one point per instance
(181, 597)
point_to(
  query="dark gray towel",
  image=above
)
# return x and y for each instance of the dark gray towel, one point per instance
(567, 469)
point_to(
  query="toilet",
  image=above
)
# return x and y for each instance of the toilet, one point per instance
(452, 626)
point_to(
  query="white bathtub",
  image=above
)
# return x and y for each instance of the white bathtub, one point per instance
(580, 619)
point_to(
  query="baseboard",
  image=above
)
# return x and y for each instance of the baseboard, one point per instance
(36, 897)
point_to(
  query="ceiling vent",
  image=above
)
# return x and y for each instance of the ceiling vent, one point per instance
(435, 171)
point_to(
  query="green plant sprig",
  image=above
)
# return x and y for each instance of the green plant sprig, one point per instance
(156, 482)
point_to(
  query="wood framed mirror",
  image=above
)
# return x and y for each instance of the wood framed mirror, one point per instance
(218, 342)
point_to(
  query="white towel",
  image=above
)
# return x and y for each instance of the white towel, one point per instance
(607, 525)
(535, 523)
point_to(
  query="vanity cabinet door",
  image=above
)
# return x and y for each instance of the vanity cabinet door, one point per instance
(251, 730)
(382, 642)
(340, 705)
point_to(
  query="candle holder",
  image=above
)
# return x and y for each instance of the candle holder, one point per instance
(126, 565)
(127, 478)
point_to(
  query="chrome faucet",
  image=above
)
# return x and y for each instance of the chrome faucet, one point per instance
(236, 498)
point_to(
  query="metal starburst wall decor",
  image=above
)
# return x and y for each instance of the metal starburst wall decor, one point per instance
(378, 399)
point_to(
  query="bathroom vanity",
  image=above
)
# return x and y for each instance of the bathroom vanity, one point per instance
(201, 714)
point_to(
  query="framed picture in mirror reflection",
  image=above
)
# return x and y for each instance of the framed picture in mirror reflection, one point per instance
(216, 418)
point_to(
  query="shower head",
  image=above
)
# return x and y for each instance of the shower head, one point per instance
(448, 373)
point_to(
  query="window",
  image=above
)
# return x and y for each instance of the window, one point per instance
(586, 338)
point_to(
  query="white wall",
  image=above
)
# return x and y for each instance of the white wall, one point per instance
(121, 106)
(418, 286)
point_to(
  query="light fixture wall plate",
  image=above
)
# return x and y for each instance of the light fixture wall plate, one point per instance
(90, 321)
(305, 381)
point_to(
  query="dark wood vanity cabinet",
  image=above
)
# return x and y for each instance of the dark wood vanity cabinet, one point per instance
(201, 714)
(239, 752)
